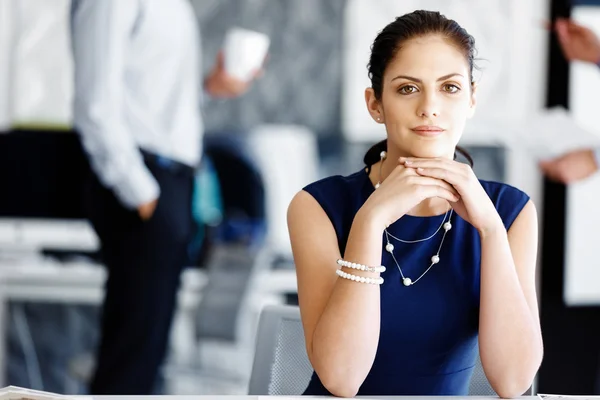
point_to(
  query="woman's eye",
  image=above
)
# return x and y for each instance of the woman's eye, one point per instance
(449, 88)
(407, 89)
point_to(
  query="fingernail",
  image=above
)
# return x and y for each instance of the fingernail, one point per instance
(407, 162)
(420, 169)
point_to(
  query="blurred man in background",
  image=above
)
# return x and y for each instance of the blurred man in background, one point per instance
(578, 43)
(136, 109)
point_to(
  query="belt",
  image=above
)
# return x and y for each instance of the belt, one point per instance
(168, 163)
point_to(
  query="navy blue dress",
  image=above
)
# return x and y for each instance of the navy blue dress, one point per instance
(428, 334)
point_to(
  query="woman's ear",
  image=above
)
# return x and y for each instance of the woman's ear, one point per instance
(374, 106)
(473, 100)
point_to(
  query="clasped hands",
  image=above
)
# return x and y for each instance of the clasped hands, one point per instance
(472, 202)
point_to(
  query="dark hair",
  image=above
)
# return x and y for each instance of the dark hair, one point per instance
(387, 43)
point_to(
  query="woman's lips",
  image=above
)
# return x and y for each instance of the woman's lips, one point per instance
(428, 130)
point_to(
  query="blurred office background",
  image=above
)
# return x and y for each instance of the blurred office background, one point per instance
(303, 120)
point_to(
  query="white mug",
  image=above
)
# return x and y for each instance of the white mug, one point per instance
(244, 52)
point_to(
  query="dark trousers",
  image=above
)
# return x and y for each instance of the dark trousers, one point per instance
(144, 261)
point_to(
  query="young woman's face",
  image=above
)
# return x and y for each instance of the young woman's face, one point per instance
(427, 97)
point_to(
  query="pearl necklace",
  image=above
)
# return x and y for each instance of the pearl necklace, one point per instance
(389, 247)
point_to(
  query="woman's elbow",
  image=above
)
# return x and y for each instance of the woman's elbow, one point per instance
(512, 389)
(340, 387)
(516, 379)
(339, 382)
(514, 385)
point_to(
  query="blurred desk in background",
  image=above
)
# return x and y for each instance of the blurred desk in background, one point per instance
(50, 281)
(82, 283)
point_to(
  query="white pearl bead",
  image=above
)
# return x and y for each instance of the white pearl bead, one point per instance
(389, 247)
(435, 259)
(377, 185)
(382, 269)
(407, 281)
(363, 280)
(383, 155)
(447, 226)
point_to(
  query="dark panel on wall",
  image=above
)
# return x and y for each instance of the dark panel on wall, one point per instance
(42, 175)
(302, 83)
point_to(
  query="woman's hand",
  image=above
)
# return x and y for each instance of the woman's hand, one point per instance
(402, 190)
(474, 205)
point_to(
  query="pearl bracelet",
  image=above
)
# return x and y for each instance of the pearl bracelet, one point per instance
(360, 279)
(360, 267)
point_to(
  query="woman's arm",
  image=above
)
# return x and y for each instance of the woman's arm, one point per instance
(510, 340)
(340, 317)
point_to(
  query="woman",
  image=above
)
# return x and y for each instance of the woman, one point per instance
(459, 253)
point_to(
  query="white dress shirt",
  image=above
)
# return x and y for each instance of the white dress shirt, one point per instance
(137, 86)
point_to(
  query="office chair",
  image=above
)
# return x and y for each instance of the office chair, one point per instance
(281, 366)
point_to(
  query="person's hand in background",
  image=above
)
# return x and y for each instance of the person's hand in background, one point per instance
(578, 43)
(146, 210)
(219, 83)
(571, 167)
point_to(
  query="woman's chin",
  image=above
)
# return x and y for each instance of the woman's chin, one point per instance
(425, 153)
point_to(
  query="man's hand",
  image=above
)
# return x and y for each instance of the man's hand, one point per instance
(220, 84)
(577, 42)
(146, 210)
(571, 167)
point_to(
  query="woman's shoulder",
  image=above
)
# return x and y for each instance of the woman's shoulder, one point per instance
(335, 184)
(502, 192)
(340, 196)
(508, 200)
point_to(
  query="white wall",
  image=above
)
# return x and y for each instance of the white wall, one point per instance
(5, 64)
(582, 236)
(40, 86)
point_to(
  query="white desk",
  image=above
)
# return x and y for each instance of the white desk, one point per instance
(83, 283)
(301, 397)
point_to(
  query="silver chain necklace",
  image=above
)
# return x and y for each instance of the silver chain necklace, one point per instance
(389, 247)
(425, 239)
